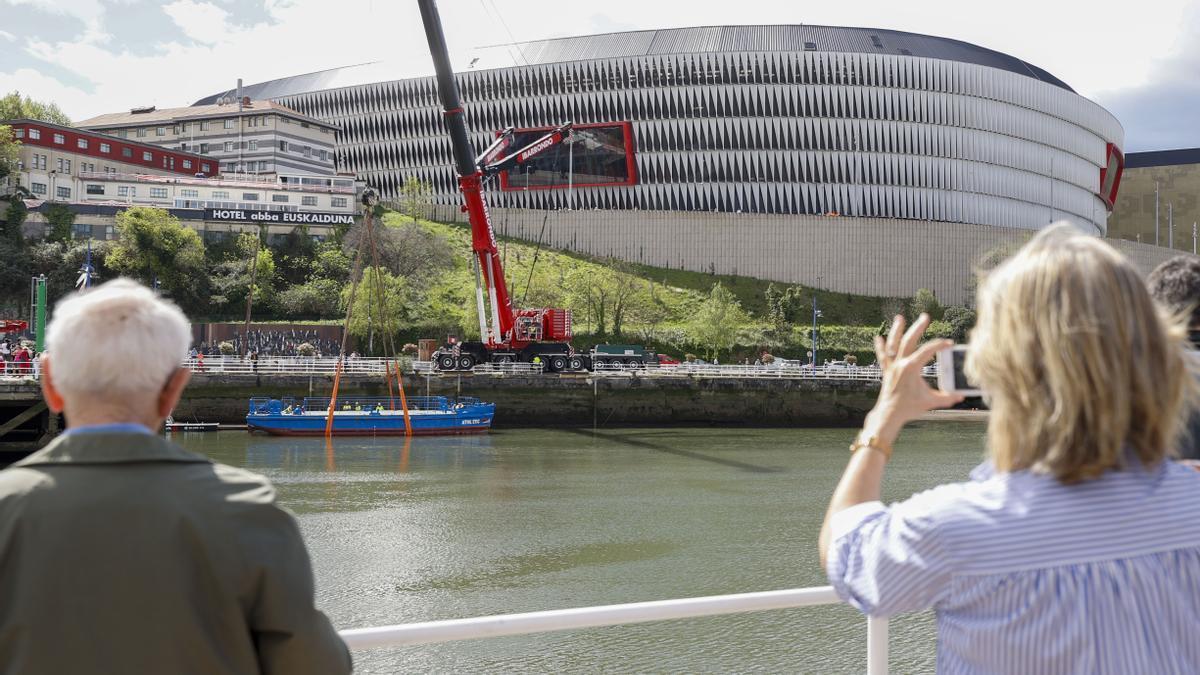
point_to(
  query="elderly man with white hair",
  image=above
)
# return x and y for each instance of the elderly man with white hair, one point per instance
(123, 553)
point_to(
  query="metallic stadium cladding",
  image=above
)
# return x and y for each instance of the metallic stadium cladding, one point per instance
(785, 129)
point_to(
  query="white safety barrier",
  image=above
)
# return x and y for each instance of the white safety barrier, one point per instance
(327, 365)
(613, 615)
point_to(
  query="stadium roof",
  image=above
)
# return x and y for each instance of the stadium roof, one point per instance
(1138, 160)
(703, 39)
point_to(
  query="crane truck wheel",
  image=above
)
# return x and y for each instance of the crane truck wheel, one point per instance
(576, 363)
(636, 363)
(466, 362)
(558, 363)
(446, 362)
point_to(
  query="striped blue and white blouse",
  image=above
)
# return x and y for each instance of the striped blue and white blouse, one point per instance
(1028, 575)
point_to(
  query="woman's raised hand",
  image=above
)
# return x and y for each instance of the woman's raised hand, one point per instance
(904, 394)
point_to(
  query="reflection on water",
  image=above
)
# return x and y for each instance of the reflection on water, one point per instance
(450, 527)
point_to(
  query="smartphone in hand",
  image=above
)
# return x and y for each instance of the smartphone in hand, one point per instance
(950, 375)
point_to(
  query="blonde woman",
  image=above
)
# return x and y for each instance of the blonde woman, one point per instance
(1076, 547)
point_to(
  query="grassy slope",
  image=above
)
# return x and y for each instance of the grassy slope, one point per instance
(681, 291)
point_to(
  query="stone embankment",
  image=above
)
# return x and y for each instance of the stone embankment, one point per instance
(569, 400)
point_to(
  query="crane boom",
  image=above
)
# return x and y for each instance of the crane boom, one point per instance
(470, 182)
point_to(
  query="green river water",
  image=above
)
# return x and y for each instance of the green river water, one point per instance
(524, 520)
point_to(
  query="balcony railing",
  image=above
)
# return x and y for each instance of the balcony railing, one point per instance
(210, 182)
(429, 632)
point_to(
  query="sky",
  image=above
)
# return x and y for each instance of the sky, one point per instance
(1140, 60)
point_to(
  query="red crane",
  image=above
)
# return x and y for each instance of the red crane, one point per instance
(509, 335)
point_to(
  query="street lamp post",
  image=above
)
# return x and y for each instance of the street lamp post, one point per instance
(816, 314)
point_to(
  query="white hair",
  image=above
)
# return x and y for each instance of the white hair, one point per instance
(118, 337)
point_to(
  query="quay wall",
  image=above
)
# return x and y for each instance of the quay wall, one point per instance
(570, 401)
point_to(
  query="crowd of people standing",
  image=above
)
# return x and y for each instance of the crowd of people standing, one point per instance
(17, 358)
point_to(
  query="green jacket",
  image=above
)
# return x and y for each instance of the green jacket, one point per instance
(124, 553)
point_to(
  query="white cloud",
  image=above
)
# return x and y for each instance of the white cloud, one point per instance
(204, 22)
(1084, 46)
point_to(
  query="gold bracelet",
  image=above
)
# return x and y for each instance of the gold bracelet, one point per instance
(872, 442)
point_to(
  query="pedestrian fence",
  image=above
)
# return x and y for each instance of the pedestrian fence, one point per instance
(327, 365)
(429, 632)
(298, 365)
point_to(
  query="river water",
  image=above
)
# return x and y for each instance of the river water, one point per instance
(524, 520)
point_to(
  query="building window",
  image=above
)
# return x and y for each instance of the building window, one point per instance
(308, 201)
(204, 148)
(160, 192)
(228, 146)
(184, 127)
(187, 163)
(95, 189)
(337, 201)
(110, 232)
(204, 126)
(253, 145)
(126, 190)
(37, 188)
(141, 133)
(279, 198)
(62, 192)
(161, 131)
(204, 168)
(121, 133)
(147, 156)
(324, 155)
(59, 139)
(105, 148)
(283, 146)
(229, 124)
(126, 152)
(81, 143)
(250, 196)
(34, 134)
(285, 120)
(82, 230)
(19, 133)
(189, 193)
(307, 151)
(220, 194)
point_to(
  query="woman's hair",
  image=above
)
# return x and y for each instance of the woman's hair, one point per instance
(117, 339)
(1076, 360)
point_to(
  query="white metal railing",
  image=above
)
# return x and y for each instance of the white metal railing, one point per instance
(326, 365)
(226, 181)
(613, 615)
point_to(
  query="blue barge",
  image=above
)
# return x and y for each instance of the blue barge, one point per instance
(429, 416)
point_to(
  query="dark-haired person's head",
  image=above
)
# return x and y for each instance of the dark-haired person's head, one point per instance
(1175, 285)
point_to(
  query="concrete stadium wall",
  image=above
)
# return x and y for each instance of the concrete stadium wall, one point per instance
(1133, 214)
(864, 256)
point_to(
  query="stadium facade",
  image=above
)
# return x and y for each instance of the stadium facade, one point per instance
(847, 147)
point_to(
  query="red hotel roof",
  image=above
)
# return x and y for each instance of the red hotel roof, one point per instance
(161, 159)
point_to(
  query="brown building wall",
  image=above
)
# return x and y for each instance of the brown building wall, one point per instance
(1133, 214)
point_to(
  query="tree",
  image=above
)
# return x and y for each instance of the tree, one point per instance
(716, 325)
(62, 222)
(371, 315)
(925, 302)
(14, 220)
(9, 149)
(406, 250)
(961, 320)
(14, 106)
(316, 298)
(152, 244)
(415, 197)
(231, 277)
